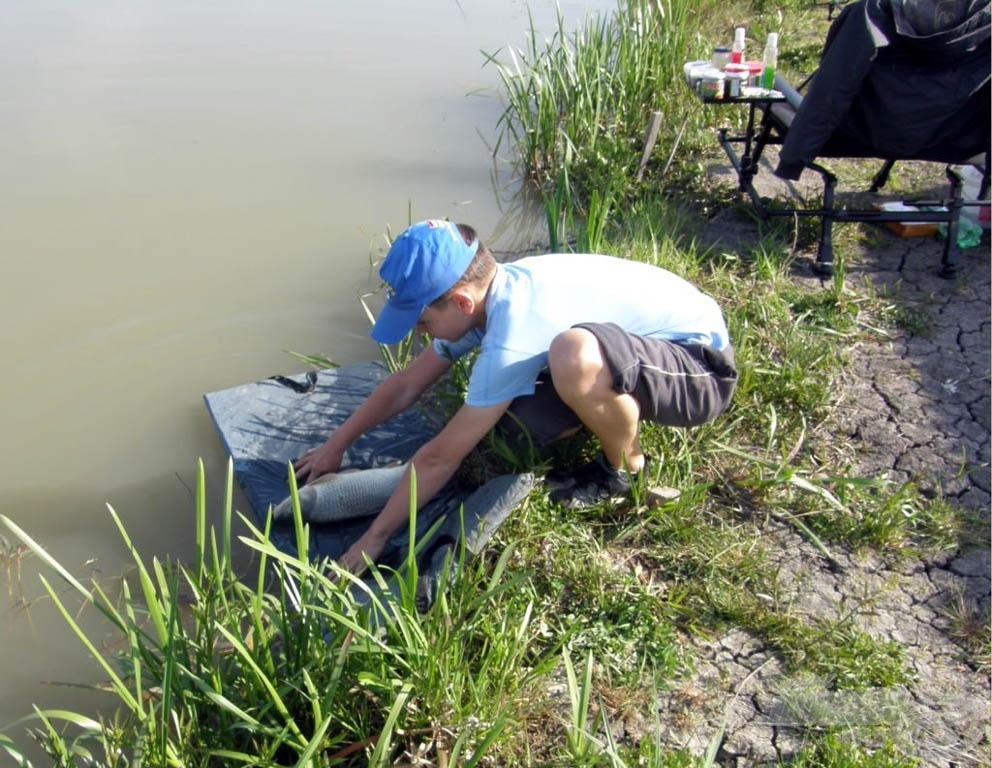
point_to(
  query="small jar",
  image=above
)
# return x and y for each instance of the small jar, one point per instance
(754, 71)
(721, 56)
(732, 86)
(736, 77)
(694, 70)
(711, 84)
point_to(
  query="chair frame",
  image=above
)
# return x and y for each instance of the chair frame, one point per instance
(745, 153)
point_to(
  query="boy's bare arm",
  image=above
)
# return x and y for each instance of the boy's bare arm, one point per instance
(395, 394)
(436, 462)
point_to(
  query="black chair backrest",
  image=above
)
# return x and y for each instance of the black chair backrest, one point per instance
(899, 80)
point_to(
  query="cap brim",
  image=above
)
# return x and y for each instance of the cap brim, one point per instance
(394, 324)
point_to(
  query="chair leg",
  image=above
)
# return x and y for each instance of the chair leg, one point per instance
(949, 260)
(882, 177)
(824, 265)
(983, 191)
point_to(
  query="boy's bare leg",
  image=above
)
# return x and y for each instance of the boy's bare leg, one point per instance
(584, 382)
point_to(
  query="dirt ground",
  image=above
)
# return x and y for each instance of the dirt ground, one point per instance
(914, 407)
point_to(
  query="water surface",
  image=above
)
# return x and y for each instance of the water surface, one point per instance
(187, 190)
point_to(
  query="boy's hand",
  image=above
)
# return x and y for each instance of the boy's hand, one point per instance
(353, 560)
(316, 462)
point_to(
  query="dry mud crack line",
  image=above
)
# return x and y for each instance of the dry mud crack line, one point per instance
(916, 407)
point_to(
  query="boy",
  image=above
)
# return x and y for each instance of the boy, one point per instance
(565, 340)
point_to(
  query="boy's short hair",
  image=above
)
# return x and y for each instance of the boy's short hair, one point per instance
(479, 269)
(423, 264)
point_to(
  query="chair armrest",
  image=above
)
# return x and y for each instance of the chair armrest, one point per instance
(792, 97)
(782, 113)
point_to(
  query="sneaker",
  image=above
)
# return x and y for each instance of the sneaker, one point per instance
(591, 484)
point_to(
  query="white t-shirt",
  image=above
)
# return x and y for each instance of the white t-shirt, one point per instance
(534, 299)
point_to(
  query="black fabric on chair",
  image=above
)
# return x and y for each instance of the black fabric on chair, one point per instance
(898, 80)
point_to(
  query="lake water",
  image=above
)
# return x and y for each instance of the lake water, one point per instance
(188, 190)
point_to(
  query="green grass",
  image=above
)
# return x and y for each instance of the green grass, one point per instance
(569, 622)
(837, 750)
(221, 669)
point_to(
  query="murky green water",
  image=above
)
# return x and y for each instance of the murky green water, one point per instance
(187, 189)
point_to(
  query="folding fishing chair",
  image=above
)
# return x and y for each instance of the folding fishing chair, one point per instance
(897, 80)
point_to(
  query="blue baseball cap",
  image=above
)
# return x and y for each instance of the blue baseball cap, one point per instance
(426, 260)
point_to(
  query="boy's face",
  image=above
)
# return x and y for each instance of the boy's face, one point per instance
(445, 321)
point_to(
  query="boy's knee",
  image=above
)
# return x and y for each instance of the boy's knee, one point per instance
(572, 351)
(577, 366)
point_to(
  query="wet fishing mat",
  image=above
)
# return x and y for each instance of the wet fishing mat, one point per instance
(267, 424)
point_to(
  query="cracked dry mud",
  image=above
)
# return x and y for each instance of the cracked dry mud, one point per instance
(913, 408)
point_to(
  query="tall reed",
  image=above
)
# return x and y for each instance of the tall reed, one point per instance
(581, 101)
(300, 663)
(578, 105)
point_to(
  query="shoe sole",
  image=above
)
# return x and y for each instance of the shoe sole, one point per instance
(572, 503)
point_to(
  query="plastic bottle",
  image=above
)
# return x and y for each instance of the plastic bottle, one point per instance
(769, 61)
(737, 49)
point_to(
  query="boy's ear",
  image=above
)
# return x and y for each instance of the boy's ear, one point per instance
(464, 302)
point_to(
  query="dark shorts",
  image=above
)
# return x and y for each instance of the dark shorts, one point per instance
(677, 385)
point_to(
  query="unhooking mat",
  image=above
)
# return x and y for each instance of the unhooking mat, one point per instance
(267, 424)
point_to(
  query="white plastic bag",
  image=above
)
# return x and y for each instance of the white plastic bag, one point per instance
(972, 178)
